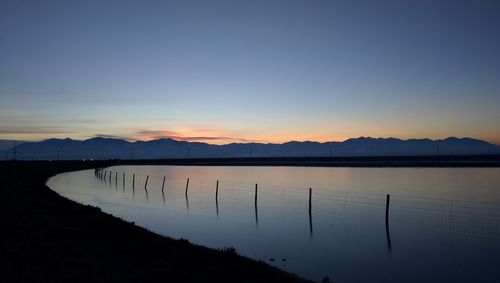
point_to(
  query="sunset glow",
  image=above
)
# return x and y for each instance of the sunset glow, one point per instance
(242, 73)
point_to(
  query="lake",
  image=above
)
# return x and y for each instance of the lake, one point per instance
(443, 223)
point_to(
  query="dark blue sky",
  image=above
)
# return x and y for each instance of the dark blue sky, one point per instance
(249, 70)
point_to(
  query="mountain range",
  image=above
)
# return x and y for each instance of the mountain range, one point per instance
(109, 148)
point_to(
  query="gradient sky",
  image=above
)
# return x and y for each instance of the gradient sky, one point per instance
(239, 71)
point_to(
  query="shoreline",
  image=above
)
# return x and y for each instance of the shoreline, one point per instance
(50, 238)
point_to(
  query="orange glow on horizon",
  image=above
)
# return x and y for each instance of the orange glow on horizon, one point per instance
(225, 137)
(221, 137)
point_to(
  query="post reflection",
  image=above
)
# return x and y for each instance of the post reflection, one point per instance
(146, 187)
(388, 234)
(256, 216)
(310, 224)
(217, 207)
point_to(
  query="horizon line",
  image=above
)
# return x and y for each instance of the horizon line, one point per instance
(242, 142)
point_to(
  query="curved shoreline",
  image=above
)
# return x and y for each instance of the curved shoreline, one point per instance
(52, 238)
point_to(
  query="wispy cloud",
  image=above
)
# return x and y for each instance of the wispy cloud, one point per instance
(157, 134)
(32, 131)
(210, 139)
(112, 137)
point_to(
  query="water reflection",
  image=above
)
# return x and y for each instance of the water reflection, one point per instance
(133, 185)
(217, 207)
(146, 187)
(388, 235)
(310, 223)
(437, 240)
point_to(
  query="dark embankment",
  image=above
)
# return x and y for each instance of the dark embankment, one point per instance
(47, 238)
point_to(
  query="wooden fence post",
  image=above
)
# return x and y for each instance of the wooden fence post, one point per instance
(256, 210)
(388, 234)
(310, 198)
(255, 194)
(388, 200)
(217, 190)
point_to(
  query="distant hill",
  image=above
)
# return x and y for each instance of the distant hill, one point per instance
(6, 144)
(108, 148)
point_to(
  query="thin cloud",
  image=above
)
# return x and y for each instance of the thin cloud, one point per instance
(112, 137)
(182, 138)
(29, 131)
(155, 134)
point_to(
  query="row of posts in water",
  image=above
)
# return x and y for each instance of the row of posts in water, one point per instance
(103, 175)
(107, 175)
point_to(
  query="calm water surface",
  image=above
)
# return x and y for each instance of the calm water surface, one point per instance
(443, 222)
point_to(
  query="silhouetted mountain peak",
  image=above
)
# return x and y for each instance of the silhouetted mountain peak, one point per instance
(104, 148)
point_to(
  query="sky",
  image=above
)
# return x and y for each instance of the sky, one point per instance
(243, 71)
